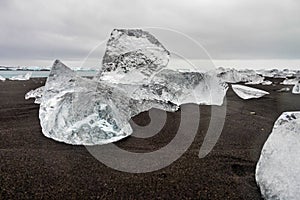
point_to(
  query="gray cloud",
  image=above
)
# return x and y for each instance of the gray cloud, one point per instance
(68, 29)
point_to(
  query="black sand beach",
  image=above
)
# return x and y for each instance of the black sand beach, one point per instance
(35, 167)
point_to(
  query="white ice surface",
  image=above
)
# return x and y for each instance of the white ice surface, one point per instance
(246, 92)
(278, 168)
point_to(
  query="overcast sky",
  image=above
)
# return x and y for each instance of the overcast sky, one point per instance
(35, 32)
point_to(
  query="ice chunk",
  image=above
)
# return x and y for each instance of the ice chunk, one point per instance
(37, 94)
(135, 53)
(21, 77)
(134, 79)
(2, 78)
(296, 88)
(229, 75)
(267, 73)
(257, 81)
(278, 169)
(247, 92)
(185, 87)
(76, 110)
(293, 81)
(235, 76)
(65, 120)
(267, 82)
(285, 89)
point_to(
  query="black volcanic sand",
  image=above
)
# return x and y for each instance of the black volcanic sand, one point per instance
(33, 166)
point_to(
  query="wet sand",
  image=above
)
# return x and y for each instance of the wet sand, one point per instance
(35, 167)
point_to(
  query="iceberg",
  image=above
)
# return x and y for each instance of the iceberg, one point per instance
(186, 87)
(60, 115)
(21, 77)
(134, 79)
(81, 111)
(2, 78)
(278, 170)
(245, 92)
(236, 76)
(296, 88)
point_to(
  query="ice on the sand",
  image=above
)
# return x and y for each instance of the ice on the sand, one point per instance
(36, 94)
(278, 168)
(21, 77)
(246, 92)
(292, 81)
(296, 88)
(64, 119)
(84, 111)
(2, 78)
(285, 89)
(267, 82)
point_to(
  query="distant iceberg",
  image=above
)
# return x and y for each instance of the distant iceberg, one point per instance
(276, 73)
(236, 76)
(2, 78)
(245, 92)
(21, 77)
(278, 169)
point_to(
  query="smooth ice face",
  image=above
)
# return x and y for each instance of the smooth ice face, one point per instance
(37, 94)
(73, 112)
(135, 53)
(278, 168)
(247, 92)
(24, 77)
(296, 88)
(184, 87)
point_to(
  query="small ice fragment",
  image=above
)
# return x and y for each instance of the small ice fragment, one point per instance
(245, 92)
(267, 82)
(285, 89)
(37, 94)
(293, 81)
(296, 88)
